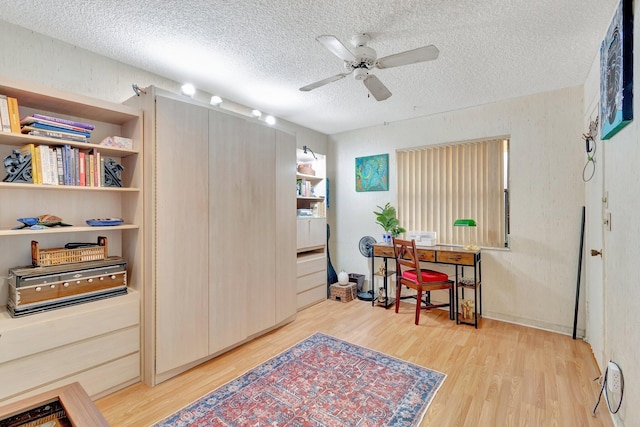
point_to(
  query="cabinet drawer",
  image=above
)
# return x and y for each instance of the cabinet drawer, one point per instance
(55, 364)
(455, 258)
(21, 337)
(312, 296)
(311, 281)
(311, 264)
(98, 381)
(384, 251)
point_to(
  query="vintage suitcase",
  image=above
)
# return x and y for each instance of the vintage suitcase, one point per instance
(36, 289)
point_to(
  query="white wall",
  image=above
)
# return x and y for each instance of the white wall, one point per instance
(534, 282)
(621, 246)
(32, 57)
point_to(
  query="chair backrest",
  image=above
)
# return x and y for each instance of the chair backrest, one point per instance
(406, 257)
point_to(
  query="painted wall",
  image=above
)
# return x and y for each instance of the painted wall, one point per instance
(621, 246)
(532, 283)
(32, 57)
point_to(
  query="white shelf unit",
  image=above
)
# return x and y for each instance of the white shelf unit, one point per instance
(96, 343)
(311, 187)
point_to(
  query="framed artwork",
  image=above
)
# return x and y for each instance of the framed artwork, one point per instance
(372, 173)
(616, 72)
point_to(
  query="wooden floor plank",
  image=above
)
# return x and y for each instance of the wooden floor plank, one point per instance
(497, 375)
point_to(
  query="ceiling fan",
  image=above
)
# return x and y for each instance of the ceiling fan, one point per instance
(361, 59)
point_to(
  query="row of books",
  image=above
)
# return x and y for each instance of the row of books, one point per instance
(65, 165)
(41, 125)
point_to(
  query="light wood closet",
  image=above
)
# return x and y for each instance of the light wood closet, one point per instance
(220, 235)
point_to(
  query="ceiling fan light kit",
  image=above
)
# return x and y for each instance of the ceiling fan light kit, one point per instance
(361, 59)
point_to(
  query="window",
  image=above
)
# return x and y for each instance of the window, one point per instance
(439, 184)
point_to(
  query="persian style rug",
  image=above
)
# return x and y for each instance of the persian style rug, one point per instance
(321, 381)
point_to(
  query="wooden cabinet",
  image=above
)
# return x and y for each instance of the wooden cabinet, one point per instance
(220, 228)
(312, 233)
(180, 226)
(96, 343)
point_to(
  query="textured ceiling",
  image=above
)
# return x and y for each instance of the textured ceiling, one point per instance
(259, 53)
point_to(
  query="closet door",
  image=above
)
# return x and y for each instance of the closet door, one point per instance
(230, 210)
(285, 220)
(259, 229)
(181, 233)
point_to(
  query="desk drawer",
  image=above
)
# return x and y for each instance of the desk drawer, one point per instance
(427, 255)
(384, 251)
(455, 258)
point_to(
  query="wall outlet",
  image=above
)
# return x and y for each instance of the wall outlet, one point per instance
(614, 380)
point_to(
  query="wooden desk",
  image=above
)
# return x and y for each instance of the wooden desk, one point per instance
(440, 254)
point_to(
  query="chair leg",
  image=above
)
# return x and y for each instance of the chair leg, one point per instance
(418, 305)
(398, 293)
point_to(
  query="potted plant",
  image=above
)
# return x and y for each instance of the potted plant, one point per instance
(386, 217)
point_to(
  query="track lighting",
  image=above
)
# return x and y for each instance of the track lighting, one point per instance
(256, 113)
(270, 120)
(305, 149)
(188, 89)
(215, 100)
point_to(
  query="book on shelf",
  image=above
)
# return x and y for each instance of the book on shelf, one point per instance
(82, 171)
(44, 126)
(4, 114)
(59, 120)
(59, 166)
(53, 134)
(14, 114)
(30, 120)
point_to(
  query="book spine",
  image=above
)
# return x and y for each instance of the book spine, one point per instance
(60, 166)
(92, 170)
(14, 114)
(82, 172)
(4, 114)
(87, 126)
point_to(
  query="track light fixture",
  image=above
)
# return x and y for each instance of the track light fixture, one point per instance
(305, 149)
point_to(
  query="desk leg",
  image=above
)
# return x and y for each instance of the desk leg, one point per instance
(457, 298)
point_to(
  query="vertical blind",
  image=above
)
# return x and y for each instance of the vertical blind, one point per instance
(437, 185)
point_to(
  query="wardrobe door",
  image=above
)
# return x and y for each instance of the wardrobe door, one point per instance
(285, 220)
(259, 228)
(230, 211)
(181, 233)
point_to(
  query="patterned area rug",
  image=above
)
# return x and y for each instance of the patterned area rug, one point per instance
(321, 381)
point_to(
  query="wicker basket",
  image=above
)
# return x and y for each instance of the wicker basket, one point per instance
(58, 256)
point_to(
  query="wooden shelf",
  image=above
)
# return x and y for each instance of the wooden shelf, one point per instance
(27, 186)
(309, 177)
(72, 229)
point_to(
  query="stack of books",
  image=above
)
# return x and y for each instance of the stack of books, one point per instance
(55, 127)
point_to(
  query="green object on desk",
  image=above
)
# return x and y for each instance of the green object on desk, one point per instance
(464, 223)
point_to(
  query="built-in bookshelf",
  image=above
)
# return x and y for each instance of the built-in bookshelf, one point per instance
(311, 185)
(96, 343)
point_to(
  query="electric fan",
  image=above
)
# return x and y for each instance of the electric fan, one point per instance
(366, 249)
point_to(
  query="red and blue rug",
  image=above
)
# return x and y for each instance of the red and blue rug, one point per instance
(321, 381)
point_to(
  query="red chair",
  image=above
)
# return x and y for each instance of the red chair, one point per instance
(409, 273)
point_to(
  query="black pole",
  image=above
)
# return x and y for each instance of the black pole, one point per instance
(575, 315)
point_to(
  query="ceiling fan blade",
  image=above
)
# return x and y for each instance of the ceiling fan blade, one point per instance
(323, 82)
(336, 47)
(376, 88)
(421, 54)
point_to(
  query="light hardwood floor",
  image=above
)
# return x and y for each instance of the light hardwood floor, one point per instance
(497, 375)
